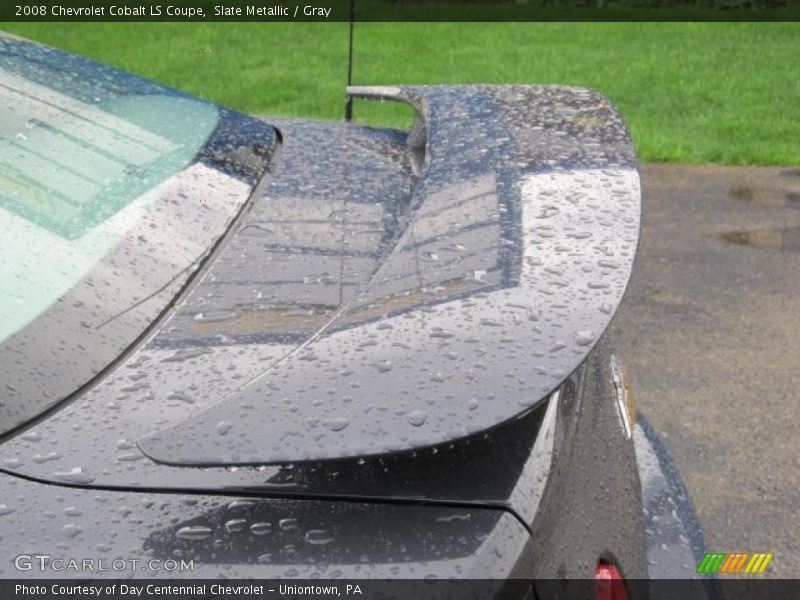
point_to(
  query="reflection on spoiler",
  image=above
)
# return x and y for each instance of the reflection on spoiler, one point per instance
(516, 249)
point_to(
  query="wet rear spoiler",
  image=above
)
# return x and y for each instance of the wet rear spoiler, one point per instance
(548, 178)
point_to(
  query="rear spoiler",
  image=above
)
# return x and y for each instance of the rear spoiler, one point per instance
(548, 178)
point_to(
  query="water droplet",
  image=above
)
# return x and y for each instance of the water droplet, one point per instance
(438, 332)
(194, 532)
(260, 528)
(455, 517)
(76, 475)
(71, 530)
(287, 524)
(336, 424)
(214, 316)
(38, 458)
(417, 417)
(318, 537)
(235, 525)
(182, 396)
(608, 264)
(223, 427)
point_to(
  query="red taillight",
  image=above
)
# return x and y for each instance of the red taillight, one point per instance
(608, 583)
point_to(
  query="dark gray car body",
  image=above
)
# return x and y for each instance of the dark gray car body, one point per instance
(391, 365)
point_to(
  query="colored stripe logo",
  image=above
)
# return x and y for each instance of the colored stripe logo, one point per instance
(735, 562)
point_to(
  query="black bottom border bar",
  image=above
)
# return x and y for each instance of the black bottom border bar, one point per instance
(377, 589)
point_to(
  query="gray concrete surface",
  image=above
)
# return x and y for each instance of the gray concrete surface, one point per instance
(710, 332)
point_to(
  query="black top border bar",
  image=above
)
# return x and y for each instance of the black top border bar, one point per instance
(399, 10)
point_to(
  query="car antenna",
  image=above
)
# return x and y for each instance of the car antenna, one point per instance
(348, 102)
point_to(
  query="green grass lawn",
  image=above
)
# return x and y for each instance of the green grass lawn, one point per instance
(691, 92)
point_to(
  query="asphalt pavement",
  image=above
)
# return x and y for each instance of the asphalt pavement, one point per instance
(710, 332)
